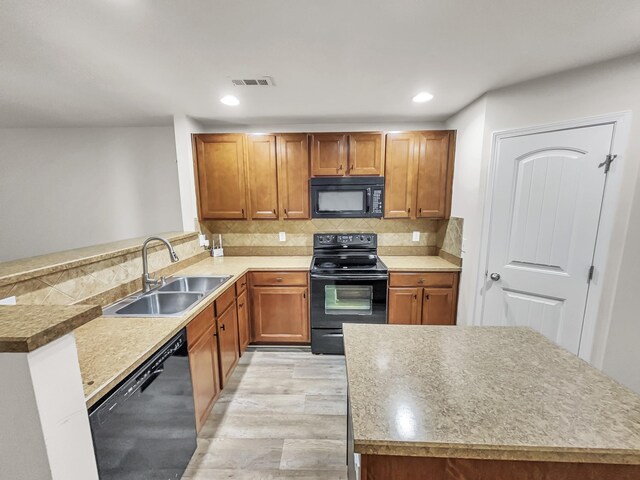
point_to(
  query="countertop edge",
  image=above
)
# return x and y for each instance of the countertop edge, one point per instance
(51, 333)
(495, 452)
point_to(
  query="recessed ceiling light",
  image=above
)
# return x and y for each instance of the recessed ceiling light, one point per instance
(230, 100)
(422, 97)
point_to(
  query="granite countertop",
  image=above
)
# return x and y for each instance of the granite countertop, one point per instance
(484, 392)
(23, 328)
(418, 264)
(109, 348)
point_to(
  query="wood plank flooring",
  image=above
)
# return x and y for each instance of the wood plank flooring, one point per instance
(281, 416)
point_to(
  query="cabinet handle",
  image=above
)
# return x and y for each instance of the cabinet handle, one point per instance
(222, 327)
(426, 296)
(421, 281)
(340, 167)
(304, 295)
(279, 279)
(285, 212)
(420, 210)
(274, 211)
(415, 297)
(242, 212)
(409, 210)
(241, 305)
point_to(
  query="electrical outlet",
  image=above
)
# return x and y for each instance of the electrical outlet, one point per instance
(8, 301)
(202, 239)
(464, 245)
(416, 236)
(282, 236)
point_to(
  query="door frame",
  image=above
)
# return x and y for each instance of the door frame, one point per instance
(606, 263)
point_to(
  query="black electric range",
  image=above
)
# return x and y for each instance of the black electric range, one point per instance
(348, 285)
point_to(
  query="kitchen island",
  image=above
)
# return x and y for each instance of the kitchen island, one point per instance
(483, 402)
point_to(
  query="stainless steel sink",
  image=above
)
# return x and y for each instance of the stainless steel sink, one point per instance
(194, 284)
(171, 300)
(159, 303)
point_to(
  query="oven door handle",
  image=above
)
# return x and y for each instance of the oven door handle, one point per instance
(350, 277)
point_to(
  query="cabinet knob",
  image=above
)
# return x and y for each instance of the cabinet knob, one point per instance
(274, 211)
(279, 279)
(426, 296)
(494, 276)
(409, 210)
(241, 305)
(285, 212)
(340, 167)
(421, 281)
(420, 210)
(222, 327)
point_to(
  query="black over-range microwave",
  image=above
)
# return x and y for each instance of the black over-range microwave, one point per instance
(347, 197)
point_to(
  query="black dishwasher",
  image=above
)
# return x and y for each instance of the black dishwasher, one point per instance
(144, 429)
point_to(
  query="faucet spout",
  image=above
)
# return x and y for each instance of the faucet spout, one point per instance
(147, 281)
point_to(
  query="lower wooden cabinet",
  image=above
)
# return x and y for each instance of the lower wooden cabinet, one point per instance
(279, 314)
(243, 322)
(411, 303)
(228, 342)
(203, 359)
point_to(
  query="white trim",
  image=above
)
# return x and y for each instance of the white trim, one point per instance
(603, 258)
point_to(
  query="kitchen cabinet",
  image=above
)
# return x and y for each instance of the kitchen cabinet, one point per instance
(203, 361)
(293, 175)
(423, 298)
(263, 178)
(365, 154)
(400, 182)
(279, 307)
(419, 174)
(340, 154)
(220, 165)
(328, 154)
(243, 322)
(228, 342)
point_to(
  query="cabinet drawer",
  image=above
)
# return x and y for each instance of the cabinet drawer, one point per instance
(278, 278)
(241, 284)
(427, 279)
(199, 325)
(224, 300)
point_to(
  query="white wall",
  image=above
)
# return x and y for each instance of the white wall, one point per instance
(63, 188)
(470, 124)
(607, 87)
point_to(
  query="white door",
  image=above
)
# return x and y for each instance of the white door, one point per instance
(547, 196)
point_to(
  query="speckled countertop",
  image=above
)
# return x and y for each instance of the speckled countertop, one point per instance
(484, 392)
(418, 264)
(23, 328)
(109, 348)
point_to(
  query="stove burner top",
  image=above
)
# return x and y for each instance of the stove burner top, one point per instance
(328, 265)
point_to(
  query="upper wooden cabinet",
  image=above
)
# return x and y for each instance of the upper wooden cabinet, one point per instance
(221, 176)
(365, 154)
(263, 179)
(339, 154)
(328, 154)
(419, 174)
(293, 175)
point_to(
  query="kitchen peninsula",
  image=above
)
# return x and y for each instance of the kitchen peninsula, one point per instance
(449, 403)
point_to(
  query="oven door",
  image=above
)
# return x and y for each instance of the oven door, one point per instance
(344, 298)
(340, 201)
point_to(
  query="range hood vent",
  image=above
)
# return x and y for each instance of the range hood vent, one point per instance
(254, 82)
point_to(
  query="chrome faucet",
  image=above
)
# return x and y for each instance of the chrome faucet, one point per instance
(147, 281)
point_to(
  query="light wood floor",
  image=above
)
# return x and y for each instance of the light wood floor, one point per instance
(282, 416)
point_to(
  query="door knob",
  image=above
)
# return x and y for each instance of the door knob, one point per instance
(494, 276)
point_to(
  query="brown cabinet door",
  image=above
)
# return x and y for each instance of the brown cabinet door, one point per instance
(203, 361)
(438, 306)
(221, 177)
(279, 314)
(243, 321)
(365, 154)
(263, 181)
(328, 154)
(228, 343)
(400, 181)
(293, 175)
(405, 305)
(434, 189)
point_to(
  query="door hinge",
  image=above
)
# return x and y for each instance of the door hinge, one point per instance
(590, 276)
(607, 162)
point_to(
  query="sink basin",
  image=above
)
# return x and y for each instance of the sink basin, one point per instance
(194, 284)
(161, 303)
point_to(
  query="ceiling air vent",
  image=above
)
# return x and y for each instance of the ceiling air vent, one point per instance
(250, 82)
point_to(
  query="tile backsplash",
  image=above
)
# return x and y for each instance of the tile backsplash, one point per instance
(241, 237)
(93, 283)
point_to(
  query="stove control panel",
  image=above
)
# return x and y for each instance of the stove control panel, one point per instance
(345, 239)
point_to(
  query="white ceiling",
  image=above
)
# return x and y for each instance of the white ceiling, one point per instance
(137, 62)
